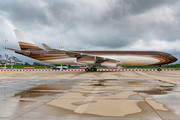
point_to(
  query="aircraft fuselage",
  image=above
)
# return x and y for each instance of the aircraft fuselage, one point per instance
(136, 58)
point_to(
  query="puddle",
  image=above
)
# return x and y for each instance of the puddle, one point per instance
(99, 84)
(32, 93)
(36, 88)
(169, 85)
(43, 89)
(158, 90)
(104, 82)
(155, 91)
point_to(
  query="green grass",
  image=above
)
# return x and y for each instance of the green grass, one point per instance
(22, 66)
(75, 67)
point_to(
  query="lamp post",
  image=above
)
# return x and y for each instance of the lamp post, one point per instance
(5, 53)
(61, 49)
(12, 62)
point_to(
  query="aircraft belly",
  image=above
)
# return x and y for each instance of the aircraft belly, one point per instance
(62, 61)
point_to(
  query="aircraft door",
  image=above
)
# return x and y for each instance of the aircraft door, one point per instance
(42, 54)
(162, 55)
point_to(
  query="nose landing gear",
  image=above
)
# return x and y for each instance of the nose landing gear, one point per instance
(159, 69)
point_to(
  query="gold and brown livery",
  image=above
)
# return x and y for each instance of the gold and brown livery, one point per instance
(92, 58)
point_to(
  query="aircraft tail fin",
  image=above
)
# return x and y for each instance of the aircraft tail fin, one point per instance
(24, 41)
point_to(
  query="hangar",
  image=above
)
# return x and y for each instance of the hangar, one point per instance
(10, 60)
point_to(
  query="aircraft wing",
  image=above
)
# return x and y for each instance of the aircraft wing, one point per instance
(68, 53)
(78, 54)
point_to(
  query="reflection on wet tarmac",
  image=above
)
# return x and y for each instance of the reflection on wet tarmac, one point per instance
(155, 91)
(113, 96)
(121, 98)
(23, 95)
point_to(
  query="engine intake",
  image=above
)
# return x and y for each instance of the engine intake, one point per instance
(109, 63)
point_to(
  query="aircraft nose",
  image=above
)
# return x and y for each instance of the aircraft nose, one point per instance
(174, 59)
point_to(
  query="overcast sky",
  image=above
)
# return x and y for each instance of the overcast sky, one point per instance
(93, 24)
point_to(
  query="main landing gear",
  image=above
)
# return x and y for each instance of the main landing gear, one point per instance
(92, 69)
(159, 69)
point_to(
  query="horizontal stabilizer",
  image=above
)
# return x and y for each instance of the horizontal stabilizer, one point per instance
(19, 51)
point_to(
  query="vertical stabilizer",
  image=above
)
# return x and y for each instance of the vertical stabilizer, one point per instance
(24, 41)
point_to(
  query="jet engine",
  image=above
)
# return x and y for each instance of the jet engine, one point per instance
(87, 59)
(109, 63)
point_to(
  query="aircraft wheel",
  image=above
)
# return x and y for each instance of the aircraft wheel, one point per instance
(92, 69)
(159, 69)
(95, 69)
(87, 69)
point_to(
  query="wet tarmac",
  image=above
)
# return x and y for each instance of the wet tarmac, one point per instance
(93, 95)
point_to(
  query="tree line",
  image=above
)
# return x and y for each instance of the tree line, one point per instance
(34, 64)
(163, 66)
(135, 67)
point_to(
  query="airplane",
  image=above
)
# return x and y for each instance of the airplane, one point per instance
(90, 58)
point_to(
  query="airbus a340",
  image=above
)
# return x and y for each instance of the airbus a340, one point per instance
(90, 58)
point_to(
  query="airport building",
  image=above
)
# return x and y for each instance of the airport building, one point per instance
(2, 61)
(10, 60)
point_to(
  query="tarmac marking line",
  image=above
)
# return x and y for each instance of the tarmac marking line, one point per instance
(83, 107)
(107, 75)
(157, 78)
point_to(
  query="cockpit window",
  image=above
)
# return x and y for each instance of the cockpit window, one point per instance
(170, 55)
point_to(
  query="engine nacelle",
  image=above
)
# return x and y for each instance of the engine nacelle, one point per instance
(87, 60)
(109, 63)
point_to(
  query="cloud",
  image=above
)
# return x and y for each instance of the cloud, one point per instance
(94, 25)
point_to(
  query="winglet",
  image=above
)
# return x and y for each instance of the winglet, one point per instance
(46, 46)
